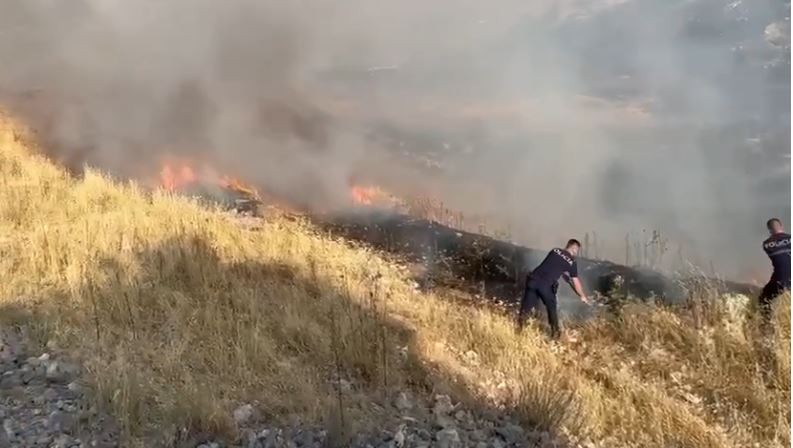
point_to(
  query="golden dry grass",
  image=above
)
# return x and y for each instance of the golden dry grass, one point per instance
(179, 314)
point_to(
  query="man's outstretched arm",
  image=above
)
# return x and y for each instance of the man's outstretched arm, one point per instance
(576, 283)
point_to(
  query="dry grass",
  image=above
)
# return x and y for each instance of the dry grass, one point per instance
(180, 314)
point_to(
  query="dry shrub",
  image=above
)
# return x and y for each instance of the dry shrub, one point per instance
(545, 401)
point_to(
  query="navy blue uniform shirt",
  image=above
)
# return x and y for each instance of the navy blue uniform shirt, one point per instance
(557, 262)
(777, 247)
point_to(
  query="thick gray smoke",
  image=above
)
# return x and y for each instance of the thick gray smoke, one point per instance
(553, 117)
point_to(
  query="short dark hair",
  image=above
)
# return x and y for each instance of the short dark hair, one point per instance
(573, 242)
(773, 221)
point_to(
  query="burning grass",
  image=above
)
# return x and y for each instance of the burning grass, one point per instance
(180, 314)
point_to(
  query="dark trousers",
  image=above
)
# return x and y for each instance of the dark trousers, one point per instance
(773, 289)
(532, 296)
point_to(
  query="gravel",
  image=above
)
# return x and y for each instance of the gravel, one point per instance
(412, 423)
(42, 403)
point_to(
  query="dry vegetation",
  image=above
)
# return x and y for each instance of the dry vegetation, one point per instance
(179, 314)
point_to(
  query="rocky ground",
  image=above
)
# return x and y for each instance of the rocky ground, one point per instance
(415, 423)
(43, 404)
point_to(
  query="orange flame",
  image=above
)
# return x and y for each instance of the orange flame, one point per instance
(177, 176)
(361, 195)
(371, 195)
(234, 184)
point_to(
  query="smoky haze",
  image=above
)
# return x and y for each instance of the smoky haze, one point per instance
(554, 118)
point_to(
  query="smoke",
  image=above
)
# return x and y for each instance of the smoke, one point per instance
(554, 118)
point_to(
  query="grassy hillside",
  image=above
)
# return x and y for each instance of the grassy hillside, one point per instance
(180, 313)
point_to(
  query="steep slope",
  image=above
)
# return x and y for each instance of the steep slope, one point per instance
(180, 315)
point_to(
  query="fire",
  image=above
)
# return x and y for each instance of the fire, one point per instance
(177, 176)
(362, 195)
(370, 195)
(185, 175)
(234, 184)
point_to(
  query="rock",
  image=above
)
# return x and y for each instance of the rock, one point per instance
(75, 387)
(62, 441)
(270, 439)
(444, 421)
(7, 354)
(402, 402)
(251, 439)
(478, 435)
(304, 439)
(28, 376)
(442, 410)
(448, 438)
(399, 437)
(60, 422)
(512, 434)
(55, 372)
(50, 394)
(39, 400)
(33, 362)
(10, 381)
(44, 440)
(423, 434)
(243, 414)
(496, 443)
(443, 405)
(543, 437)
(10, 428)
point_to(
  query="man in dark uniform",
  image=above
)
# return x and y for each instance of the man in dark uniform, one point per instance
(543, 283)
(777, 247)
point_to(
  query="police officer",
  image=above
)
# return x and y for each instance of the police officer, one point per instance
(777, 247)
(543, 283)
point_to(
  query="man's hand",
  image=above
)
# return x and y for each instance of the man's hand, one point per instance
(579, 290)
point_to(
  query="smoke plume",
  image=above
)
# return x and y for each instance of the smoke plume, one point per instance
(554, 118)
